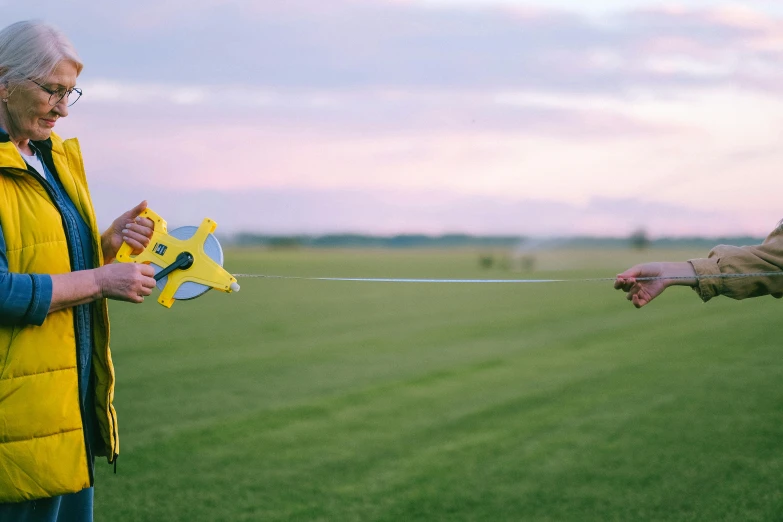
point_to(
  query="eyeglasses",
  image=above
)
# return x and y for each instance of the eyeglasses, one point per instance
(56, 96)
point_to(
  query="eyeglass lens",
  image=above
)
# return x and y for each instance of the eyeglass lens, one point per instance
(71, 97)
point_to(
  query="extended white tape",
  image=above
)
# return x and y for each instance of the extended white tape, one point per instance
(504, 281)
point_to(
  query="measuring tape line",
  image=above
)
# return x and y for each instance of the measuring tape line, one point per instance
(505, 281)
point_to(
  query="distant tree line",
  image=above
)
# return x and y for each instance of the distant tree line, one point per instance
(368, 241)
(472, 241)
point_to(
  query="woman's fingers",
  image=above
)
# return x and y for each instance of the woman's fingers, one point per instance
(145, 222)
(146, 283)
(136, 246)
(147, 277)
(137, 236)
(126, 281)
(138, 228)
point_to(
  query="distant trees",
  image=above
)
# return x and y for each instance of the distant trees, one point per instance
(521, 253)
(639, 239)
(368, 241)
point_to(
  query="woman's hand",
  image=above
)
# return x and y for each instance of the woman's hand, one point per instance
(128, 228)
(642, 292)
(130, 282)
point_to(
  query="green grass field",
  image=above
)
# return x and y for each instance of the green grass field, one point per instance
(304, 400)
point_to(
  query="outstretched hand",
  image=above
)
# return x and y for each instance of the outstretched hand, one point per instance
(641, 293)
(128, 228)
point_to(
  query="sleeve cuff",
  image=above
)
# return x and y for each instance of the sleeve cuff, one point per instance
(41, 301)
(707, 287)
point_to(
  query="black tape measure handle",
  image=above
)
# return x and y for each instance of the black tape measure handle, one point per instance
(183, 262)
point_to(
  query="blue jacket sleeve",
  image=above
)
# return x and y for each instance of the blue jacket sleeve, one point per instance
(24, 298)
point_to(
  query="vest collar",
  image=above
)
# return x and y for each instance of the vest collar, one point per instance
(11, 159)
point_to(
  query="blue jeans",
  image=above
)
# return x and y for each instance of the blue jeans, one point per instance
(76, 507)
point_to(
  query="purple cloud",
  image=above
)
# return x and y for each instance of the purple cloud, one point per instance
(371, 44)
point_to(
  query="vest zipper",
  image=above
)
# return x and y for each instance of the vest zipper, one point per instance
(109, 414)
(53, 199)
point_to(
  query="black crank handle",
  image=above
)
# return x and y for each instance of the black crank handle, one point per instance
(183, 262)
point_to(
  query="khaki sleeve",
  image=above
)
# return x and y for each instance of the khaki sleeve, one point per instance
(726, 259)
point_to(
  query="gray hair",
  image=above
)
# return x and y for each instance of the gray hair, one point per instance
(33, 49)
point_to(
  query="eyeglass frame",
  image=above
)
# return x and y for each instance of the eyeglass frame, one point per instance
(66, 94)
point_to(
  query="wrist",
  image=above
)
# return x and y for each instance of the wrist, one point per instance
(682, 274)
(98, 278)
(106, 247)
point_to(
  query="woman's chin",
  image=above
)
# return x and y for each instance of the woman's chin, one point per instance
(41, 134)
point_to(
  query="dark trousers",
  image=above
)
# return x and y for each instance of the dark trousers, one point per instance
(76, 507)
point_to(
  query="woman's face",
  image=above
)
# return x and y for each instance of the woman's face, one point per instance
(29, 114)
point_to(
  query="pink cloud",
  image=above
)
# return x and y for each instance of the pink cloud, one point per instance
(373, 96)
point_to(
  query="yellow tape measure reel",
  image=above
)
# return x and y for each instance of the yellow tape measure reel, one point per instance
(188, 261)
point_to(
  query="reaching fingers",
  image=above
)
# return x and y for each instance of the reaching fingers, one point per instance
(625, 280)
(639, 296)
(624, 283)
(631, 290)
(634, 271)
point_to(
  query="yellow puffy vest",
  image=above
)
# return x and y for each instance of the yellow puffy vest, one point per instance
(42, 447)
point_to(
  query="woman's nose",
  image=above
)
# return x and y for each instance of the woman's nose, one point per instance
(61, 109)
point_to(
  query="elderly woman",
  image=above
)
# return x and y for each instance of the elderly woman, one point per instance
(708, 275)
(56, 374)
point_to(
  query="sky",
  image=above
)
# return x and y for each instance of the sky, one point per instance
(555, 117)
